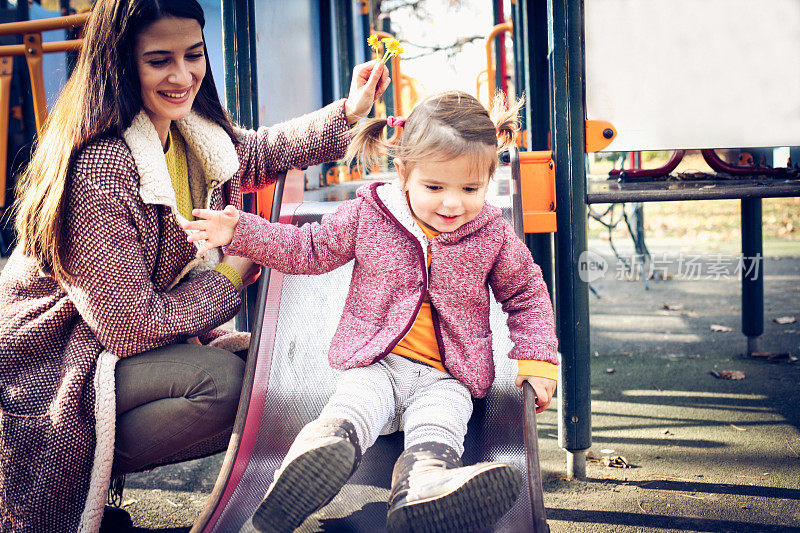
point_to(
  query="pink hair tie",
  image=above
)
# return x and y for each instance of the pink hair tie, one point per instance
(395, 122)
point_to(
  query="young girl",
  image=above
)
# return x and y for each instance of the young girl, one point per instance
(414, 339)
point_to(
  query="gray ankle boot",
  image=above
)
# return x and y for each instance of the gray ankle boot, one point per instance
(318, 464)
(433, 492)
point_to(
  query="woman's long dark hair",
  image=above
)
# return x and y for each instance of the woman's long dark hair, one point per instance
(100, 99)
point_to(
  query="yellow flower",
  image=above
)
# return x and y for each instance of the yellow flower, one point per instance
(393, 46)
(373, 41)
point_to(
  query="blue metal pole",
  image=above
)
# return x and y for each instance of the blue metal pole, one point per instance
(241, 96)
(572, 293)
(238, 42)
(752, 273)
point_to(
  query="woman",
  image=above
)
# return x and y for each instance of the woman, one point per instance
(104, 273)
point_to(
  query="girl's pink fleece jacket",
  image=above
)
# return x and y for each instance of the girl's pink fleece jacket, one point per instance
(390, 281)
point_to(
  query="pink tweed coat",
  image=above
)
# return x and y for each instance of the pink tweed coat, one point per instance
(390, 280)
(138, 287)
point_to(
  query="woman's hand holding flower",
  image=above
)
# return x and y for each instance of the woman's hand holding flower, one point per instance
(369, 82)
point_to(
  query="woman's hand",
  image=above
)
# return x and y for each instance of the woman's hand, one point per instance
(216, 227)
(247, 270)
(369, 82)
(543, 387)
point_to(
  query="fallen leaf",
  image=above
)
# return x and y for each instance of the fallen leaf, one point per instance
(774, 357)
(614, 461)
(718, 327)
(667, 432)
(129, 502)
(610, 370)
(171, 502)
(728, 374)
(737, 427)
(785, 320)
(690, 314)
(606, 450)
(793, 450)
(672, 307)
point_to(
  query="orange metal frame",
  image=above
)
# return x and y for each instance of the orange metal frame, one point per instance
(599, 134)
(33, 49)
(489, 73)
(487, 76)
(538, 176)
(490, 66)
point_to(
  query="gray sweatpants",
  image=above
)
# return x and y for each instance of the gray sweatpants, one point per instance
(397, 394)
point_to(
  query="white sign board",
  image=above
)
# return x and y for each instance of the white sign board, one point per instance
(694, 73)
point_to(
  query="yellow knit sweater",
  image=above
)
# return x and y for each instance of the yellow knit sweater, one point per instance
(179, 173)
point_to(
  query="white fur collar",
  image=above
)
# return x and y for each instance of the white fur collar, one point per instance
(210, 146)
(208, 142)
(394, 198)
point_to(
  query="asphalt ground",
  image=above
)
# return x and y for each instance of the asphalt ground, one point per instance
(703, 453)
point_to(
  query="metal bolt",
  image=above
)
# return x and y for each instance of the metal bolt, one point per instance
(574, 419)
(31, 38)
(552, 206)
(31, 51)
(608, 133)
(550, 165)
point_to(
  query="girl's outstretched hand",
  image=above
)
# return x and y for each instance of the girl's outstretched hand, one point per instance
(369, 81)
(543, 387)
(215, 227)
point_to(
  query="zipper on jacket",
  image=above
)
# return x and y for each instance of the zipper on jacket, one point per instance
(423, 287)
(437, 330)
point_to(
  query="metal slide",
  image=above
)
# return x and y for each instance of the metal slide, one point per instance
(291, 380)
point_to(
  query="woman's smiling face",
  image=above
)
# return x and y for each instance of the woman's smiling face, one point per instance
(172, 64)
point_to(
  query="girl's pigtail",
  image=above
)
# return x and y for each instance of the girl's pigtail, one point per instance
(368, 141)
(505, 116)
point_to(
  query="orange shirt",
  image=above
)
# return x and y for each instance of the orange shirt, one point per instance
(420, 342)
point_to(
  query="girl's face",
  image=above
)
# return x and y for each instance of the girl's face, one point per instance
(171, 63)
(444, 195)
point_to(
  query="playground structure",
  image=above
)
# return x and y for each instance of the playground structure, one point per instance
(559, 64)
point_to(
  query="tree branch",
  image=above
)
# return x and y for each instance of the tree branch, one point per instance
(451, 49)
